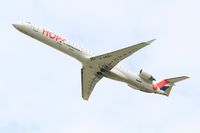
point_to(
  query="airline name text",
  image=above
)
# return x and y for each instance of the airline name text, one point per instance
(53, 36)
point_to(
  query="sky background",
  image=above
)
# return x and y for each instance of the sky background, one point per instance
(40, 87)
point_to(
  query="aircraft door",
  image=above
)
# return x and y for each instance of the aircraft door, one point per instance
(35, 28)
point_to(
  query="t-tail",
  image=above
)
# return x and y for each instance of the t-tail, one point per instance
(166, 85)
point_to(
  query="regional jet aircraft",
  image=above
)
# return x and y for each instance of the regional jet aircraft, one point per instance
(94, 68)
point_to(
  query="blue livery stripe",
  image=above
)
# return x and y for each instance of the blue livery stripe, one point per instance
(164, 88)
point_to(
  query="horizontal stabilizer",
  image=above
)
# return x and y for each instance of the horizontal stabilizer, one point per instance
(167, 84)
(177, 79)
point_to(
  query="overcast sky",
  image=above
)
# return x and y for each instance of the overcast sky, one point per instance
(40, 87)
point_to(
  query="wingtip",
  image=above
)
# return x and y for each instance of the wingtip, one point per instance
(186, 77)
(150, 41)
(85, 98)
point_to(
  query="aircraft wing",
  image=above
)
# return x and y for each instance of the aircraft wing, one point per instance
(89, 79)
(99, 65)
(109, 60)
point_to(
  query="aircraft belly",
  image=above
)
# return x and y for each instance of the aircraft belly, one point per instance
(140, 87)
(115, 75)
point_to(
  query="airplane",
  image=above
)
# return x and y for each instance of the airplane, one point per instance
(95, 67)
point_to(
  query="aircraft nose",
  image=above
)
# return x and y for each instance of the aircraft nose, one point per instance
(18, 26)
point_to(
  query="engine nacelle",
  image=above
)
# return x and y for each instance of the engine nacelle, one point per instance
(145, 76)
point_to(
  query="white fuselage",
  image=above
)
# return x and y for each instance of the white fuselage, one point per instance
(82, 55)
